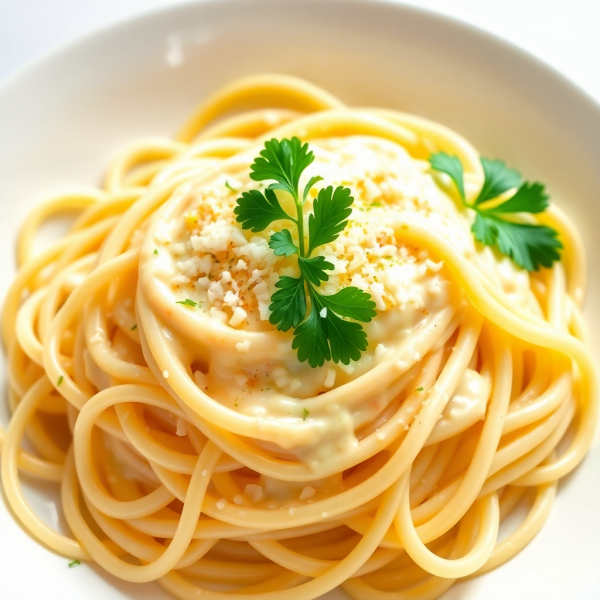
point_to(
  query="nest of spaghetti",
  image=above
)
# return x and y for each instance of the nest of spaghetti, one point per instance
(192, 447)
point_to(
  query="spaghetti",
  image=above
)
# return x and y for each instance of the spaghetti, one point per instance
(191, 446)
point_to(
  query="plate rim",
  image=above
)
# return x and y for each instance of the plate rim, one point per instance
(95, 34)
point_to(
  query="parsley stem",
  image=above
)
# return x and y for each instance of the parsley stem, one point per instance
(300, 224)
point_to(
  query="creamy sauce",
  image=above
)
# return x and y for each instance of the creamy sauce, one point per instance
(194, 250)
(465, 408)
(204, 255)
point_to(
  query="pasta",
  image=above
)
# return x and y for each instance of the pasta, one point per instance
(191, 446)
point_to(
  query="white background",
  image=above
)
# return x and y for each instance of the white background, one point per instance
(564, 33)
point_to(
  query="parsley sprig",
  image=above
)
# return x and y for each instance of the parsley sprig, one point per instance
(529, 245)
(321, 331)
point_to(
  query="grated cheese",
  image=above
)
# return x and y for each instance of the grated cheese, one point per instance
(243, 346)
(254, 493)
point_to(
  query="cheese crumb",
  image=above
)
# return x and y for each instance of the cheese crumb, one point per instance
(221, 504)
(166, 374)
(379, 351)
(231, 299)
(330, 378)
(434, 267)
(281, 382)
(254, 492)
(323, 312)
(237, 499)
(307, 493)
(239, 316)
(243, 346)
(162, 236)
(348, 369)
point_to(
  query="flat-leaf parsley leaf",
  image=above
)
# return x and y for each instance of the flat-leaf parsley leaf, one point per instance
(330, 215)
(284, 162)
(288, 303)
(314, 269)
(498, 178)
(281, 243)
(256, 211)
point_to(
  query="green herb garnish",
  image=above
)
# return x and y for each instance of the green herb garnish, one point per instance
(60, 380)
(228, 186)
(74, 563)
(305, 414)
(321, 331)
(134, 327)
(188, 302)
(420, 389)
(530, 246)
(155, 251)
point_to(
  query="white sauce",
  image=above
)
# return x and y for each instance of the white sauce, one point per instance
(465, 408)
(229, 275)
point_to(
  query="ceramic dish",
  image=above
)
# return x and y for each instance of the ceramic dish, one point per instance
(63, 117)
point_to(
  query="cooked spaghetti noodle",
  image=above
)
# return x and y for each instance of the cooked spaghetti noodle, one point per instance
(191, 446)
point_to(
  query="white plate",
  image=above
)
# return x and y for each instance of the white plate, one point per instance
(63, 117)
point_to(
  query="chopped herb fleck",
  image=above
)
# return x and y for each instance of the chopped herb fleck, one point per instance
(155, 251)
(134, 327)
(420, 389)
(188, 302)
(74, 563)
(60, 380)
(305, 414)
